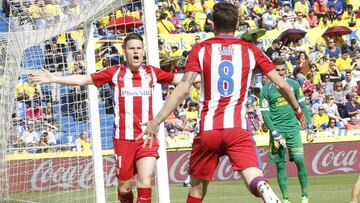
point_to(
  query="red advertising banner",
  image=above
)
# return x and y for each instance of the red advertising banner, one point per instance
(77, 173)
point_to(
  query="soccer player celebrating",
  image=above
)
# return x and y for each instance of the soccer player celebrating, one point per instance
(226, 65)
(131, 85)
(285, 130)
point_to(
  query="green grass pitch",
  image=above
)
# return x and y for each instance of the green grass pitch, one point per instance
(322, 189)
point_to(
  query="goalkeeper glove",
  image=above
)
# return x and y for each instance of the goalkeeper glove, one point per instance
(278, 140)
(310, 133)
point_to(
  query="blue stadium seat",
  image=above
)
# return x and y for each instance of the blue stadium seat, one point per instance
(83, 126)
(23, 78)
(58, 137)
(181, 17)
(284, 2)
(64, 90)
(67, 119)
(107, 128)
(66, 138)
(34, 58)
(107, 138)
(102, 110)
(3, 26)
(4, 23)
(106, 121)
(67, 123)
(20, 108)
(46, 88)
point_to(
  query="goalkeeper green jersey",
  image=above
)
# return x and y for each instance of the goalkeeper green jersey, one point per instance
(282, 116)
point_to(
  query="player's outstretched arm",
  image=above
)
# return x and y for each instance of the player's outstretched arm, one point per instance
(286, 91)
(178, 77)
(74, 80)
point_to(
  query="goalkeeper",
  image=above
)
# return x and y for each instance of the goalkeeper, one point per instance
(285, 131)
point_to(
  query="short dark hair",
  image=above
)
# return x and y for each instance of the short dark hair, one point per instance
(163, 16)
(256, 90)
(279, 61)
(225, 17)
(276, 41)
(132, 36)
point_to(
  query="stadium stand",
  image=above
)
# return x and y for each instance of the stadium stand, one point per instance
(329, 71)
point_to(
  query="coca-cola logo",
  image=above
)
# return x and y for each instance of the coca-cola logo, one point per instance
(225, 171)
(52, 174)
(263, 152)
(328, 161)
(178, 170)
(77, 173)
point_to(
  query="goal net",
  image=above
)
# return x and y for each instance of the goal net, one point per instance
(48, 131)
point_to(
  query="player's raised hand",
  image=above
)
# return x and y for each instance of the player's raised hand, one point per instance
(43, 77)
(301, 117)
(149, 133)
(278, 140)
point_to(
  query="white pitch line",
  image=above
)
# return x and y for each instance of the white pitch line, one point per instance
(20, 200)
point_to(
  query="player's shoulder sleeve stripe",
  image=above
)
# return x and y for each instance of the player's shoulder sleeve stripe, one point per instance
(264, 109)
(301, 99)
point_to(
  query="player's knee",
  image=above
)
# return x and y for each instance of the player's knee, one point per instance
(299, 160)
(124, 187)
(144, 182)
(198, 188)
(197, 192)
(281, 165)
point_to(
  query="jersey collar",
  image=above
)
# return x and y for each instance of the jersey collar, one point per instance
(224, 36)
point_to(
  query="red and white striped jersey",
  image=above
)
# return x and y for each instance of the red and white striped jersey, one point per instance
(226, 65)
(132, 96)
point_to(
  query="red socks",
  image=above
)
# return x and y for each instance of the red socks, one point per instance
(144, 195)
(191, 199)
(126, 198)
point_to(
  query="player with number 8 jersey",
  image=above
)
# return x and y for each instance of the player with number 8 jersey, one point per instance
(226, 65)
(228, 73)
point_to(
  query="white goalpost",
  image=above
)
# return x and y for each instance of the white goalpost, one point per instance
(43, 157)
(95, 123)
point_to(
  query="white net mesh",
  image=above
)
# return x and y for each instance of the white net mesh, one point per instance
(42, 155)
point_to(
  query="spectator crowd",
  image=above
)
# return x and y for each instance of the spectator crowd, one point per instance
(328, 72)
